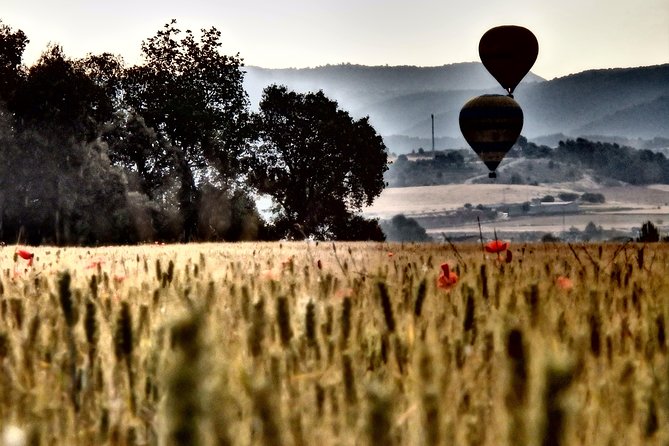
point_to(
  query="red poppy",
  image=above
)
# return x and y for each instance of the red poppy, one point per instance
(564, 283)
(496, 246)
(447, 278)
(26, 255)
(95, 264)
(344, 292)
(390, 253)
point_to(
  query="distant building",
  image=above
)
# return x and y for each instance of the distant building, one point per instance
(556, 207)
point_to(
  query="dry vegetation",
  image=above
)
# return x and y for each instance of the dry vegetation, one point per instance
(346, 344)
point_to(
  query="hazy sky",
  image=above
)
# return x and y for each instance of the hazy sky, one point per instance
(574, 35)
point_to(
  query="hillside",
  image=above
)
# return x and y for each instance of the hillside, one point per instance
(630, 102)
(356, 87)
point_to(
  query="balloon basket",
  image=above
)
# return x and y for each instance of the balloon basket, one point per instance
(492, 174)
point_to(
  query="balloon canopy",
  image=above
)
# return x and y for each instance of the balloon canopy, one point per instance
(508, 52)
(491, 125)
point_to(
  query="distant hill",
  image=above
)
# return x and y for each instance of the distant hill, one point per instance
(358, 86)
(620, 102)
(646, 120)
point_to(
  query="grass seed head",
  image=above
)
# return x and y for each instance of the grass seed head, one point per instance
(346, 306)
(91, 324)
(4, 345)
(283, 320)
(310, 322)
(387, 306)
(349, 379)
(123, 336)
(65, 295)
(379, 416)
(420, 297)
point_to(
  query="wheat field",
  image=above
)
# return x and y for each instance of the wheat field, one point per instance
(304, 343)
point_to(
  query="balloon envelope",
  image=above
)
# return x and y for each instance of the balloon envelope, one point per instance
(491, 125)
(508, 52)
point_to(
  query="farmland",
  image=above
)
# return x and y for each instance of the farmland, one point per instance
(305, 343)
(626, 207)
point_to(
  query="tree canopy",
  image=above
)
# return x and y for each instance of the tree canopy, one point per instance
(193, 97)
(318, 164)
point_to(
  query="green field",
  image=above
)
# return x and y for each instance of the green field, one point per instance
(335, 344)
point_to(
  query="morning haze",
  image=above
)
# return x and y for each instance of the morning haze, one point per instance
(573, 35)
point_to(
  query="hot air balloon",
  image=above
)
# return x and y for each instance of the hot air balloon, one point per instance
(508, 52)
(491, 125)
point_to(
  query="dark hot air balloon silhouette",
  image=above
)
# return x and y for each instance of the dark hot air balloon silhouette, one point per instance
(491, 125)
(508, 52)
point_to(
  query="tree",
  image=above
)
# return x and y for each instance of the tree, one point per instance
(318, 164)
(57, 97)
(139, 150)
(56, 180)
(192, 96)
(12, 46)
(404, 229)
(649, 233)
(591, 197)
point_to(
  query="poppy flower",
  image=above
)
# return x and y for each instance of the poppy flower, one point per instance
(447, 278)
(95, 264)
(496, 246)
(26, 256)
(391, 254)
(343, 293)
(564, 283)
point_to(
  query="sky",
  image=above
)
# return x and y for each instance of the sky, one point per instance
(573, 35)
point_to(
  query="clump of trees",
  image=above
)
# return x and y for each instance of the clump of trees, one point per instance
(614, 161)
(606, 160)
(93, 151)
(401, 228)
(649, 233)
(593, 197)
(445, 167)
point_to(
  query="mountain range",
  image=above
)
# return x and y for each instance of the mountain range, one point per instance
(617, 102)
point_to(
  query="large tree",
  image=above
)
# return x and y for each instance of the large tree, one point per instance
(12, 45)
(318, 164)
(56, 181)
(58, 97)
(192, 96)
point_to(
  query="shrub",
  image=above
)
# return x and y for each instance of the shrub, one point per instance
(404, 229)
(593, 197)
(567, 196)
(649, 233)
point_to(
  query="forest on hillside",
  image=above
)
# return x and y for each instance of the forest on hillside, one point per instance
(612, 102)
(567, 161)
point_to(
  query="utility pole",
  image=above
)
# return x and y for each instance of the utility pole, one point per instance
(433, 152)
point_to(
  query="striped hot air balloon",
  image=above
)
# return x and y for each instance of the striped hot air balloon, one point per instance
(491, 124)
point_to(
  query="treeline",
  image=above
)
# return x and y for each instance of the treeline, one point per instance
(95, 152)
(614, 161)
(605, 159)
(444, 168)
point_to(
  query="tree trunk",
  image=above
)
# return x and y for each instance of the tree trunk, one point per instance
(189, 198)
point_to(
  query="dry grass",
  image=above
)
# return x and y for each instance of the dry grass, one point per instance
(300, 344)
